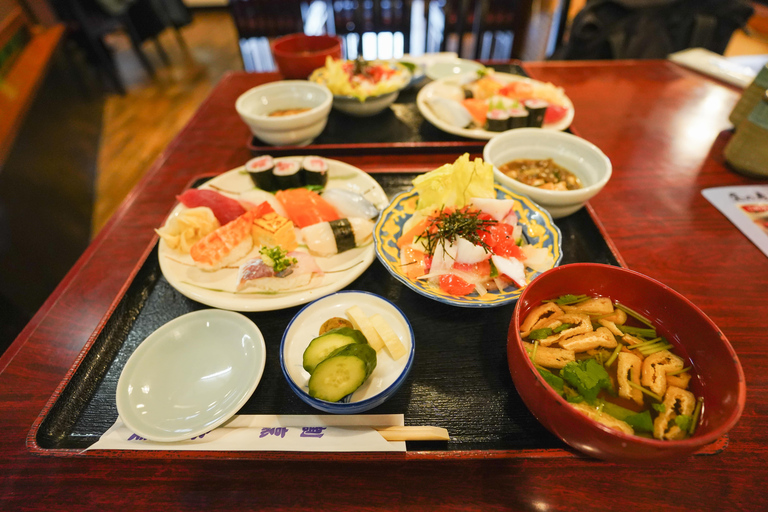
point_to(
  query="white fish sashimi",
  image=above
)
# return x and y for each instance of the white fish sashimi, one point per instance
(467, 252)
(449, 111)
(329, 238)
(350, 204)
(496, 208)
(510, 267)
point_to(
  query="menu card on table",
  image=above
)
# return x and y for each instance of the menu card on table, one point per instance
(305, 433)
(747, 207)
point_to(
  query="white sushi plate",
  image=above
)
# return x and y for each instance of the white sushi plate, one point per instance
(434, 89)
(218, 289)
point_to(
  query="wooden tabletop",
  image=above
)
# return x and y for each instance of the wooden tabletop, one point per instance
(664, 129)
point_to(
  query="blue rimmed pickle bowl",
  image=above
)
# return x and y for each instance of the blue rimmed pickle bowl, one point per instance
(539, 231)
(388, 375)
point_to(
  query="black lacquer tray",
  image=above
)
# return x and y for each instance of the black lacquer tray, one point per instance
(460, 379)
(400, 127)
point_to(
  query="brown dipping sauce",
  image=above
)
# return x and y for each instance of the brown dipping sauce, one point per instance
(544, 173)
(288, 112)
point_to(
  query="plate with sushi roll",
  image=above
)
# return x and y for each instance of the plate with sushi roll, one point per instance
(460, 239)
(272, 234)
(481, 104)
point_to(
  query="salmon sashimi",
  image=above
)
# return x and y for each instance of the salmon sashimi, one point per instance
(224, 208)
(305, 207)
(225, 245)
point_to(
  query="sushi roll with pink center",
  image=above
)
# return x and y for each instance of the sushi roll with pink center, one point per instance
(315, 170)
(260, 171)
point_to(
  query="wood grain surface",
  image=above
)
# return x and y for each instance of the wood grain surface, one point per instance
(664, 129)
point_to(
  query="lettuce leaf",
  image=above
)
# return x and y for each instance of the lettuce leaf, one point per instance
(455, 184)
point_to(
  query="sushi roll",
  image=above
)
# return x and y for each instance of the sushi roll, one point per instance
(287, 174)
(329, 238)
(536, 110)
(260, 171)
(518, 118)
(497, 120)
(315, 170)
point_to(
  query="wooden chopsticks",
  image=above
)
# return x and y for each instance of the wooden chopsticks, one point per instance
(413, 433)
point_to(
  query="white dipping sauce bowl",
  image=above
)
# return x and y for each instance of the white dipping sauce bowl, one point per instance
(255, 105)
(577, 155)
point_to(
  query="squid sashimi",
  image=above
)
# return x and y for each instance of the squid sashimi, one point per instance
(305, 207)
(225, 245)
(271, 273)
(224, 208)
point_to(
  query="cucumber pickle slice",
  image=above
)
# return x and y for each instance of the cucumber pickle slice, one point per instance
(322, 346)
(342, 372)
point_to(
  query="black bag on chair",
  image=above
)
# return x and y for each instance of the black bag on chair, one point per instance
(652, 29)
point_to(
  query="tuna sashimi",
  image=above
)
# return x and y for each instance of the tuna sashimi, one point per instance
(305, 207)
(225, 209)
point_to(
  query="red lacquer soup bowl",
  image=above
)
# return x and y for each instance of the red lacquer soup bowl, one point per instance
(717, 373)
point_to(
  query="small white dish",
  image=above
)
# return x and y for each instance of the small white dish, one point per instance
(443, 68)
(579, 156)
(389, 374)
(191, 375)
(256, 105)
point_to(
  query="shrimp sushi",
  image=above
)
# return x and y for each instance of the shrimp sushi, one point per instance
(305, 207)
(224, 245)
(260, 171)
(329, 238)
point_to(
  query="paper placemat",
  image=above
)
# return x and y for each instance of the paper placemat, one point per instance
(747, 207)
(284, 433)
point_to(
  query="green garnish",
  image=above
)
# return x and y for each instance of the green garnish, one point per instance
(678, 372)
(553, 380)
(561, 328)
(634, 314)
(568, 299)
(588, 377)
(683, 421)
(638, 331)
(614, 355)
(646, 391)
(696, 413)
(535, 348)
(447, 227)
(652, 349)
(277, 258)
(540, 334)
(410, 65)
(641, 422)
(659, 407)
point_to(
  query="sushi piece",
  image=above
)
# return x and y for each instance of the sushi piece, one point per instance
(350, 204)
(497, 120)
(449, 111)
(518, 118)
(260, 171)
(287, 174)
(263, 275)
(315, 170)
(536, 111)
(305, 207)
(224, 208)
(274, 230)
(224, 245)
(329, 238)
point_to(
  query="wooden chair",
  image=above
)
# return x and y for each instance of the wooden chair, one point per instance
(353, 20)
(485, 29)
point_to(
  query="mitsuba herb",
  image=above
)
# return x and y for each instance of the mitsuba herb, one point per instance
(588, 377)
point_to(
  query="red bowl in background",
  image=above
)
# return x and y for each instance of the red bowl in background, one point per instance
(298, 55)
(718, 375)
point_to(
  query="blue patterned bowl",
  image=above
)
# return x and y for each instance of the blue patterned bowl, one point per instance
(540, 231)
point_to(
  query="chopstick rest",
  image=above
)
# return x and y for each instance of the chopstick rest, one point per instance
(414, 433)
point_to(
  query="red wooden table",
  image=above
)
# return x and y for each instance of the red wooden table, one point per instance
(664, 129)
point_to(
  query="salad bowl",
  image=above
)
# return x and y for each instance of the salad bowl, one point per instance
(539, 231)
